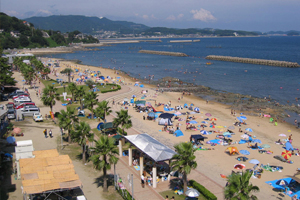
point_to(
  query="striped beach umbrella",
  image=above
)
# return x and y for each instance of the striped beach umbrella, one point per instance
(286, 154)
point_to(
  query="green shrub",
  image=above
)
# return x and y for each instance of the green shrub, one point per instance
(124, 194)
(205, 192)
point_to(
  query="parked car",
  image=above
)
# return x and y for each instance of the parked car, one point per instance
(11, 114)
(16, 93)
(22, 100)
(37, 117)
(24, 104)
(29, 111)
(10, 105)
(20, 96)
(3, 97)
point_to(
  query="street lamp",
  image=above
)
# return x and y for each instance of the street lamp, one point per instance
(64, 88)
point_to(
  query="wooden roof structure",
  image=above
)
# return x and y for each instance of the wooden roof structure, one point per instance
(48, 171)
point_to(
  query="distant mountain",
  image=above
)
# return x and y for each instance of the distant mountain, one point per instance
(291, 32)
(69, 23)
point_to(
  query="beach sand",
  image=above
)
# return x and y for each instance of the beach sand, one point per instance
(212, 163)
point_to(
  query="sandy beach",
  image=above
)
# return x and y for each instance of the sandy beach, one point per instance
(214, 162)
(211, 163)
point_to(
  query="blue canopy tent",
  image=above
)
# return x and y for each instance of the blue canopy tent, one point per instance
(288, 146)
(102, 77)
(99, 125)
(136, 84)
(178, 133)
(185, 105)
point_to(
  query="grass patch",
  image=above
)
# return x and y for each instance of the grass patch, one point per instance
(96, 132)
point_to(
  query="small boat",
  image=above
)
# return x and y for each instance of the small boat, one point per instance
(208, 63)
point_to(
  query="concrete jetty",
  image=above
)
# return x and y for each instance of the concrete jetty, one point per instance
(164, 53)
(254, 61)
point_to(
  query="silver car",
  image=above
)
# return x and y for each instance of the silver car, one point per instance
(11, 114)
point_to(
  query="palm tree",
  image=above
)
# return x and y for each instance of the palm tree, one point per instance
(67, 120)
(239, 186)
(67, 71)
(103, 109)
(123, 119)
(80, 94)
(49, 96)
(72, 88)
(90, 83)
(184, 160)
(82, 135)
(90, 99)
(105, 155)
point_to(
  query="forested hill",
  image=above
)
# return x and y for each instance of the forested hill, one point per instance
(69, 23)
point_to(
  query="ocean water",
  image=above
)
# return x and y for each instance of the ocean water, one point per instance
(282, 84)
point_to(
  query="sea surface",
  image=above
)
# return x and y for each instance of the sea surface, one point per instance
(281, 84)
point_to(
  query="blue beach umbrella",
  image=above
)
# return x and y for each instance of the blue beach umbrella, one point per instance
(244, 152)
(204, 132)
(204, 122)
(256, 141)
(243, 117)
(10, 139)
(238, 118)
(196, 109)
(193, 122)
(152, 114)
(227, 134)
(249, 129)
(254, 161)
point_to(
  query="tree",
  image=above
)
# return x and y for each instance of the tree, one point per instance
(67, 120)
(23, 40)
(105, 155)
(67, 71)
(123, 119)
(90, 83)
(5, 72)
(90, 99)
(72, 88)
(103, 109)
(80, 94)
(239, 187)
(49, 96)
(184, 160)
(82, 135)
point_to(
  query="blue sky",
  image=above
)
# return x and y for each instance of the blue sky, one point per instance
(249, 15)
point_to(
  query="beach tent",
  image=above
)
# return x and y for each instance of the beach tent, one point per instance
(232, 150)
(165, 121)
(185, 105)
(197, 137)
(142, 86)
(136, 84)
(166, 115)
(140, 102)
(178, 133)
(105, 125)
(159, 108)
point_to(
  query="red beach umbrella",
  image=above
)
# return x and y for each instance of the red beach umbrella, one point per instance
(286, 154)
(17, 130)
(213, 119)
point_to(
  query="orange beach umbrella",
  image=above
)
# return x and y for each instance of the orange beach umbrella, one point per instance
(286, 154)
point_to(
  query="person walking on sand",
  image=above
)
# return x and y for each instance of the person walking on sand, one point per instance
(45, 132)
(143, 181)
(50, 133)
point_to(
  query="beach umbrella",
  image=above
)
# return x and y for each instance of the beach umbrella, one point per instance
(204, 132)
(11, 139)
(226, 134)
(213, 119)
(192, 113)
(193, 122)
(243, 117)
(244, 152)
(282, 135)
(152, 114)
(249, 129)
(238, 118)
(206, 119)
(17, 130)
(202, 125)
(256, 141)
(196, 109)
(177, 113)
(208, 114)
(192, 192)
(239, 166)
(212, 126)
(282, 182)
(245, 136)
(133, 96)
(204, 122)
(231, 127)
(254, 161)
(166, 115)
(286, 154)
(265, 146)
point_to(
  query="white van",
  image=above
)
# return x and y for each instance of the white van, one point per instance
(29, 111)
(23, 100)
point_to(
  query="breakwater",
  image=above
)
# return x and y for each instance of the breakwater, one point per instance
(164, 53)
(254, 61)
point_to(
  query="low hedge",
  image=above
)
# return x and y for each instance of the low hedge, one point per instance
(205, 192)
(112, 90)
(124, 194)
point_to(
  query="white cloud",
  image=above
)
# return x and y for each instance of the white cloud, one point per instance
(203, 15)
(45, 12)
(171, 17)
(145, 16)
(12, 13)
(149, 17)
(180, 16)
